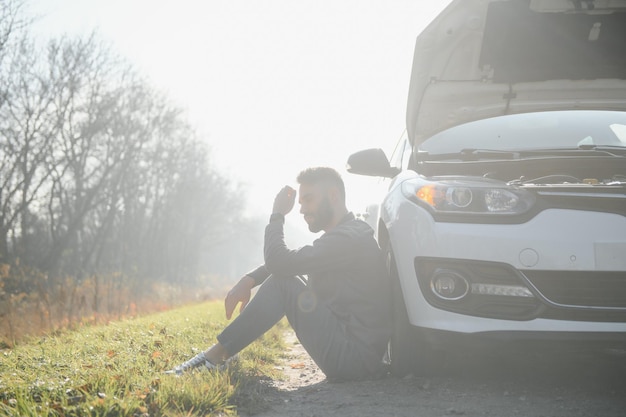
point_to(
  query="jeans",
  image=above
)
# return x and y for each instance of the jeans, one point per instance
(325, 337)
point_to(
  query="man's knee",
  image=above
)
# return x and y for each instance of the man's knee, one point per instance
(307, 301)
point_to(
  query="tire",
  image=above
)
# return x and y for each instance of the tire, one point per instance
(408, 351)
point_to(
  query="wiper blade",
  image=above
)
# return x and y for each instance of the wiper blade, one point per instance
(489, 153)
(609, 149)
(468, 154)
(472, 154)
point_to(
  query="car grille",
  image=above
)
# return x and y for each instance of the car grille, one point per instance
(597, 296)
(582, 289)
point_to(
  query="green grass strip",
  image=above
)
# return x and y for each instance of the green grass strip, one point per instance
(117, 370)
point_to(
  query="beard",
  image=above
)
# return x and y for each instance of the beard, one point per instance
(322, 217)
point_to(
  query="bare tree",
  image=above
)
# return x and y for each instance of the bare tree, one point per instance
(27, 127)
(99, 172)
(12, 22)
(85, 154)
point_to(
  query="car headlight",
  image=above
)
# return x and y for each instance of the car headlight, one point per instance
(468, 196)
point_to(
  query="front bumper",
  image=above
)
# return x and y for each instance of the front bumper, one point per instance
(509, 340)
(560, 255)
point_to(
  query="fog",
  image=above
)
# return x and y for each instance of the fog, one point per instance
(147, 141)
(275, 86)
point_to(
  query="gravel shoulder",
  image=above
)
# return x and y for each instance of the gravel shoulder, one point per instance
(501, 385)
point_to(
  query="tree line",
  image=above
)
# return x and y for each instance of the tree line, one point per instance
(100, 173)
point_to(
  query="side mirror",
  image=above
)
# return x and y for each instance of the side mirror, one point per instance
(372, 162)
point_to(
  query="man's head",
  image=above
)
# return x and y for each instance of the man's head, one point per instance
(322, 198)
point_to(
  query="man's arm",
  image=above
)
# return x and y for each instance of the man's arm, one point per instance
(259, 275)
(242, 291)
(333, 250)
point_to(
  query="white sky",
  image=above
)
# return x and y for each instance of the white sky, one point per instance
(275, 85)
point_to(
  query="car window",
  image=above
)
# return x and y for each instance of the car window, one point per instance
(544, 130)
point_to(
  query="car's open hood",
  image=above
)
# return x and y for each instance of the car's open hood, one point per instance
(485, 58)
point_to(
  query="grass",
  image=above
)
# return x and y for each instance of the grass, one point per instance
(117, 370)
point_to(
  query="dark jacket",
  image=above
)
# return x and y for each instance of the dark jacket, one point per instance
(346, 270)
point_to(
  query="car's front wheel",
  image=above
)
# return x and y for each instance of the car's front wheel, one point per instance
(408, 351)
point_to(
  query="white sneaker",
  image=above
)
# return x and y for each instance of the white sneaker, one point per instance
(196, 362)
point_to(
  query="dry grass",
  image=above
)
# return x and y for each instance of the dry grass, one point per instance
(72, 304)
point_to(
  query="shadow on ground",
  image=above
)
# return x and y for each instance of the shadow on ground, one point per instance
(513, 383)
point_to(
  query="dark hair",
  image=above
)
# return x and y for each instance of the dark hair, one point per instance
(327, 175)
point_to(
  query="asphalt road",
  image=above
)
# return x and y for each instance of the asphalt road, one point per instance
(500, 383)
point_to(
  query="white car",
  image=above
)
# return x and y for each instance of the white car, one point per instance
(505, 217)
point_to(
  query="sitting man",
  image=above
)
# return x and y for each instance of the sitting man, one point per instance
(334, 292)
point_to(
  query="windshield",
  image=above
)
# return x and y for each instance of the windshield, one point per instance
(532, 131)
